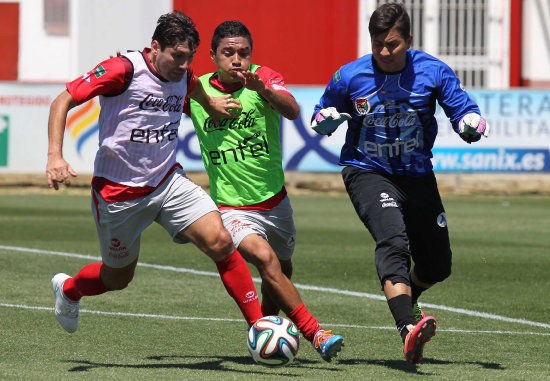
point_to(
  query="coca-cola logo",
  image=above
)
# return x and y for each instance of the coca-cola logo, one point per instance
(399, 119)
(246, 120)
(172, 103)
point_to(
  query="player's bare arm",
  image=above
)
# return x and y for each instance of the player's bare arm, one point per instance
(216, 107)
(57, 169)
(284, 104)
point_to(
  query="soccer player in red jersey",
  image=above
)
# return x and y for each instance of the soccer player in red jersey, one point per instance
(137, 180)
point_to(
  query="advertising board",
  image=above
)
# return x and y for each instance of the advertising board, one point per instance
(519, 141)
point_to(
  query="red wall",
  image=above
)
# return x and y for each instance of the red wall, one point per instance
(9, 40)
(305, 40)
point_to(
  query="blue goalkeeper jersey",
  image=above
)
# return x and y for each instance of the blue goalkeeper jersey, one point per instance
(393, 127)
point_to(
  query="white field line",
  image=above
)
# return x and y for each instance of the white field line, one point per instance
(298, 286)
(240, 321)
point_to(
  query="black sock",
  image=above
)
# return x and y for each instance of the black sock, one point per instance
(400, 307)
(416, 291)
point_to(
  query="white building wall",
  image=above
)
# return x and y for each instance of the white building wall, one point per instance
(98, 29)
(42, 58)
(536, 41)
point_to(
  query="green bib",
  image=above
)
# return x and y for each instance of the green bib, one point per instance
(242, 156)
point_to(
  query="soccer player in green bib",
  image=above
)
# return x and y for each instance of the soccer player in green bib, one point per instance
(244, 164)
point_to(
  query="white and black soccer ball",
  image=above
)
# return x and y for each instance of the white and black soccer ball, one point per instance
(273, 341)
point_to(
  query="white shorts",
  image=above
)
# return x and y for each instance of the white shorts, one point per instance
(275, 225)
(175, 205)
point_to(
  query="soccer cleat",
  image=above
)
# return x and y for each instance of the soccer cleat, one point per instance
(418, 314)
(66, 311)
(419, 335)
(327, 344)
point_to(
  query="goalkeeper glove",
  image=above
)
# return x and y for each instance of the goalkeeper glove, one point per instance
(327, 120)
(474, 125)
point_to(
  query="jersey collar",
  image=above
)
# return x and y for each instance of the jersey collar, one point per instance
(225, 87)
(145, 54)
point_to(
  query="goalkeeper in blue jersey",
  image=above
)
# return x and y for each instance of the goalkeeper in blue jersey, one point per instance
(388, 99)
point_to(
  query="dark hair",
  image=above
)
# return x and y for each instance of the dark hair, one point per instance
(388, 16)
(230, 29)
(174, 28)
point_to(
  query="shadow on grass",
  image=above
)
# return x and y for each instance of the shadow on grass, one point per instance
(223, 363)
(220, 363)
(404, 366)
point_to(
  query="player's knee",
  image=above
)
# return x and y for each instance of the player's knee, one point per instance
(267, 264)
(264, 259)
(393, 260)
(436, 277)
(441, 274)
(392, 251)
(434, 272)
(219, 246)
(393, 246)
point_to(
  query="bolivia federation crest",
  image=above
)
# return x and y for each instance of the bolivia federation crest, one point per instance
(362, 105)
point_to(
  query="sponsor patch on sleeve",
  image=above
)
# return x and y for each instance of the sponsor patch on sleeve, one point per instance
(336, 77)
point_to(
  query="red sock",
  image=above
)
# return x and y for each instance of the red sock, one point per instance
(86, 283)
(238, 282)
(305, 321)
(268, 311)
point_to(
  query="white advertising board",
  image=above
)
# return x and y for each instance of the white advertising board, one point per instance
(520, 139)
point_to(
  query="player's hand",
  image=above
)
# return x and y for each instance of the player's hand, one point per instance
(251, 81)
(472, 125)
(59, 171)
(224, 107)
(328, 119)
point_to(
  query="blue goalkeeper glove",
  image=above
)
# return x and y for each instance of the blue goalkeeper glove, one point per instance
(327, 120)
(473, 125)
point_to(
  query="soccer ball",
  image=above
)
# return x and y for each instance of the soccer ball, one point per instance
(273, 341)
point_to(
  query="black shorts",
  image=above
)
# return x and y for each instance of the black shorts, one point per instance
(406, 218)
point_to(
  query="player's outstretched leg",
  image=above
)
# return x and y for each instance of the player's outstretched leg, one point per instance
(66, 311)
(327, 344)
(418, 335)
